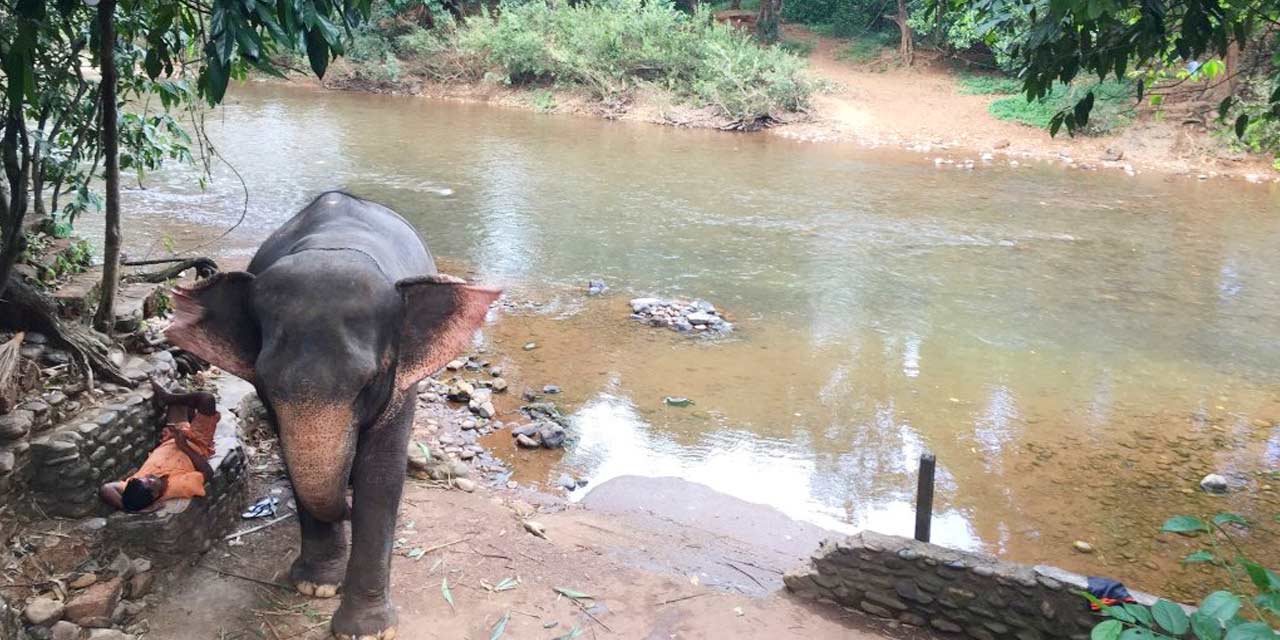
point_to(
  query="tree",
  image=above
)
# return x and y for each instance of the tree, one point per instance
(53, 120)
(1060, 39)
(906, 49)
(767, 21)
(105, 318)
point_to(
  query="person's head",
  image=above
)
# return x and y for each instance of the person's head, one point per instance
(141, 492)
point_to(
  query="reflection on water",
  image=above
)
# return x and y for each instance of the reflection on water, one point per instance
(1078, 349)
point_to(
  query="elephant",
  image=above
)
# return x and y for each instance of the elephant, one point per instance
(339, 315)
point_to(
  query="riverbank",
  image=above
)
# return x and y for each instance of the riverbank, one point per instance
(879, 104)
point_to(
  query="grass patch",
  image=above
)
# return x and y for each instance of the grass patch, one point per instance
(802, 48)
(727, 5)
(868, 47)
(1113, 106)
(986, 85)
(612, 47)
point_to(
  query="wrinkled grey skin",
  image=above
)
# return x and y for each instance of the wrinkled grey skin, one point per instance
(334, 323)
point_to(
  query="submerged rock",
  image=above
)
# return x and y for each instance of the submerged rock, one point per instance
(596, 287)
(1214, 483)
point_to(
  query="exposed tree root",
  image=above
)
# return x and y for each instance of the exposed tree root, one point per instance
(27, 309)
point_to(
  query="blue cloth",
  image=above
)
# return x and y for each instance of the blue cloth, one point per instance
(1106, 588)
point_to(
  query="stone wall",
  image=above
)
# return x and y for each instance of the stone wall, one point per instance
(186, 526)
(952, 592)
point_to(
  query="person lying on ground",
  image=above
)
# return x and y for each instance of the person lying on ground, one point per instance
(179, 466)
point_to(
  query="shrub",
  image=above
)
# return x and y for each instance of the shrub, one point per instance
(612, 46)
(985, 85)
(868, 47)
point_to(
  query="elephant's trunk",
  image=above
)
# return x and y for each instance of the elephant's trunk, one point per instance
(319, 443)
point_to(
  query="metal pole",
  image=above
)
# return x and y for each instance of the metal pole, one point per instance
(924, 497)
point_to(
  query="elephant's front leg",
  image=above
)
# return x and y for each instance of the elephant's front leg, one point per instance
(381, 457)
(322, 562)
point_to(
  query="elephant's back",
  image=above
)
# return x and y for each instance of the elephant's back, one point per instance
(339, 221)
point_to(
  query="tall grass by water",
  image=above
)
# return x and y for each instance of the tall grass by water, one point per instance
(611, 48)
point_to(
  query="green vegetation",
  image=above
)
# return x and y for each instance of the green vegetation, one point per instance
(1244, 613)
(987, 85)
(868, 47)
(610, 48)
(1113, 108)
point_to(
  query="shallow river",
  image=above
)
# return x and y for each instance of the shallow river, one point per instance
(1077, 348)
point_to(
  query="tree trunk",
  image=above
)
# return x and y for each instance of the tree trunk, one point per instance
(13, 198)
(104, 319)
(906, 50)
(767, 21)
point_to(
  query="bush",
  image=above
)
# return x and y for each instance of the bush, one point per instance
(869, 46)
(613, 46)
(842, 18)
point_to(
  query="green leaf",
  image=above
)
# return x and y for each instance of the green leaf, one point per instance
(1199, 557)
(1186, 525)
(501, 627)
(426, 451)
(1242, 123)
(1107, 630)
(1251, 631)
(1269, 601)
(1229, 518)
(317, 52)
(1170, 617)
(444, 590)
(1220, 605)
(1139, 613)
(573, 633)
(1262, 578)
(1224, 107)
(570, 593)
(1119, 613)
(1205, 627)
(1137, 633)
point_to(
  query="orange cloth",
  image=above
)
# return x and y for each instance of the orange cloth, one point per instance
(168, 461)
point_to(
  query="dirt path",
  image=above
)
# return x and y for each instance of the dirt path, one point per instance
(921, 108)
(652, 575)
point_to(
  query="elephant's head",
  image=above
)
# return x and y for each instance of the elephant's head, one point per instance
(329, 346)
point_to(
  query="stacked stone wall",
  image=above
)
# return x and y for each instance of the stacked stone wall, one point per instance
(951, 592)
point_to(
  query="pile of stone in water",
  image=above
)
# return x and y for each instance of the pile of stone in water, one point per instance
(680, 315)
(546, 429)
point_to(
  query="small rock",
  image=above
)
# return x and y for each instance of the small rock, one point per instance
(109, 634)
(498, 385)
(551, 389)
(530, 346)
(453, 365)
(527, 442)
(1082, 546)
(677, 401)
(640, 305)
(141, 565)
(63, 630)
(93, 606)
(529, 429)
(699, 318)
(1214, 483)
(495, 372)
(596, 287)
(464, 484)
(43, 611)
(140, 584)
(567, 482)
(529, 395)
(486, 410)
(1113, 155)
(552, 436)
(121, 565)
(83, 581)
(6, 462)
(468, 424)
(1000, 144)
(15, 424)
(536, 528)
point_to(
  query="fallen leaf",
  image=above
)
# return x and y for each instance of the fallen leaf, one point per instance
(444, 590)
(501, 627)
(573, 633)
(571, 593)
(416, 553)
(425, 451)
(536, 528)
(507, 584)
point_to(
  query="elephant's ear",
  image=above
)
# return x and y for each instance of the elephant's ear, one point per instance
(213, 320)
(440, 314)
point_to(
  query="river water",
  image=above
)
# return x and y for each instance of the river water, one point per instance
(1078, 349)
